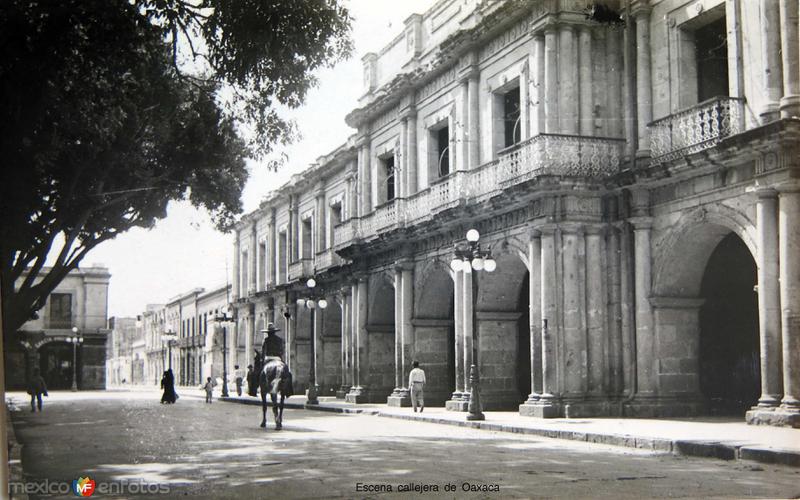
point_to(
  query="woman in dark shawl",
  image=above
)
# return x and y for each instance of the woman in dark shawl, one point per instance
(168, 384)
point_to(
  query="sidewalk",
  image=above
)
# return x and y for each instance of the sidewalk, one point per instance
(711, 437)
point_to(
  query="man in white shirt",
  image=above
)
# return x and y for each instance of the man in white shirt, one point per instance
(238, 375)
(416, 382)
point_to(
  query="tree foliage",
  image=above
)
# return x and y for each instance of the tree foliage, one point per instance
(103, 122)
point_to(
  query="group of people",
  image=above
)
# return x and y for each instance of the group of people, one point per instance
(271, 348)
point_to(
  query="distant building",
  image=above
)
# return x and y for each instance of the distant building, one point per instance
(77, 307)
(125, 351)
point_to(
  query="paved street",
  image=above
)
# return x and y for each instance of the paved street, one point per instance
(218, 451)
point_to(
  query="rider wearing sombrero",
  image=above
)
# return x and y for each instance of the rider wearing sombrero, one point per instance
(272, 350)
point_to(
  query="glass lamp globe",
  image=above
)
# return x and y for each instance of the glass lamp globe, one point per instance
(477, 264)
(301, 302)
(310, 304)
(456, 265)
(473, 235)
(322, 303)
(490, 265)
(467, 266)
(311, 283)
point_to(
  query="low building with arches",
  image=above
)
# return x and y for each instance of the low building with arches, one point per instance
(77, 308)
(636, 182)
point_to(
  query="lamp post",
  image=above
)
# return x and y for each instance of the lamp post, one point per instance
(311, 303)
(75, 339)
(169, 337)
(468, 257)
(222, 318)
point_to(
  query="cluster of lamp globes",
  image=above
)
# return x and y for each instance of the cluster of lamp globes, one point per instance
(75, 339)
(311, 303)
(480, 261)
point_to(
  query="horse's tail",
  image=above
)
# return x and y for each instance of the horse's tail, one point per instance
(287, 387)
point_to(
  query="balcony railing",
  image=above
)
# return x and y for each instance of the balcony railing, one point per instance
(695, 129)
(545, 154)
(327, 259)
(301, 268)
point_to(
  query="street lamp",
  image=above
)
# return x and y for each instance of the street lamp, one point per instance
(75, 339)
(311, 303)
(222, 318)
(468, 257)
(170, 337)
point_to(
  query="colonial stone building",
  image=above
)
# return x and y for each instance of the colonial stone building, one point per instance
(634, 171)
(184, 335)
(77, 308)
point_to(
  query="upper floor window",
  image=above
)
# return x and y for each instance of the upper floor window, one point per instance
(439, 147)
(282, 258)
(387, 171)
(306, 238)
(711, 45)
(335, 215)
(262, 265)
(511, 117)
(60, 310)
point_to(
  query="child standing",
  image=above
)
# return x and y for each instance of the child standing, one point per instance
(209, 388)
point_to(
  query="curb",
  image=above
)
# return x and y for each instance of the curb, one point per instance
(680, 447)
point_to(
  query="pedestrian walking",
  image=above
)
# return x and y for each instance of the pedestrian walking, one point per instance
(239, 377)
(36, 388)
(416, 382)
(252, 381)
(209, 388)
(168, 384)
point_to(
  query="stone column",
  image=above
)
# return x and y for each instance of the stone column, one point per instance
(269, 254)
(568, 80)
(614, 86)
(538, 116)
(769, 317)
(359, 392)
(474, 119)
(573, 251)
(771, 58)
(551, 80)
(614, 315)
(291, 234)
(365, 169)
(644, 87)
(645, 344)
(319, 349)
(461, 131)
(411, 153)
(790, 102)
(585, 61)
(346, 342)
(596, 296)
(354, 335)
(235, 278)
(467, 327)
(398, 333)
(352, 196)
(407, 305)
(252, 256)
(290, 325)
(456, 400)
(535, 312)
(789, 250)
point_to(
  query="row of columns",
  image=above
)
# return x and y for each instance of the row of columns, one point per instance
(780, 53)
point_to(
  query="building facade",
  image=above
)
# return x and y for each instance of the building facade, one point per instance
(634, 171)
(187, 335)
(78, 307)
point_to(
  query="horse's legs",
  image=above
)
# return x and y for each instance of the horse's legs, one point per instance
(263, 406)
(278, 419)
(281, 410)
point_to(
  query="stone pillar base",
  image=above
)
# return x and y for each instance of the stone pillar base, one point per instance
(663, 407)
(780, 417)
(584, 409)
(540, 409)
(790, 106)
(357, 394)
(398, 401)
(456, 404)
(342, 392)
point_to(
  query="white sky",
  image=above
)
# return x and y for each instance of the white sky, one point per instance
(184, 251)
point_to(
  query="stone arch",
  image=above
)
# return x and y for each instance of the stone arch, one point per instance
(434, 331)
(503, 330)
(705, 261)
(378, 372)
(330, 375)
(691, 242)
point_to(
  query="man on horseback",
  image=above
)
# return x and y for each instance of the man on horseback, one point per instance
(274, 375)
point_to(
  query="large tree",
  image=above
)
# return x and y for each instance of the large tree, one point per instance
(109, 109)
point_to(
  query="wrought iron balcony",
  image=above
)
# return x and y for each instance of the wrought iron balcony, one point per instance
(544, 154)
(697, 128)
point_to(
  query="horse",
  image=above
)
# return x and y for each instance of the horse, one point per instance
(274, 379)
